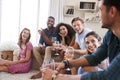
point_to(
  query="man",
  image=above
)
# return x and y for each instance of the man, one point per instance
(110, 15)
(81, 31)
(45, 40)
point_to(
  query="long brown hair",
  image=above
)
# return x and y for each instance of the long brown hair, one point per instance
(20, 37)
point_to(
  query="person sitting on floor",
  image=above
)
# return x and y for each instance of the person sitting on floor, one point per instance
(23, 64)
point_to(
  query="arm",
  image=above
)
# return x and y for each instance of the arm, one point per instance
(63, 40)
(28, 53)
(46, 39)
(73, 63)
(90, 69)
(81, 51)
(72, 42)
(76, 46)
(27, 58)
(47, 75)
(111, 73)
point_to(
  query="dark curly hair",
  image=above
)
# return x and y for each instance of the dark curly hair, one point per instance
(71, 32)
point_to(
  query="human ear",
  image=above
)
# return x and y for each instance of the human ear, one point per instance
(113, 11)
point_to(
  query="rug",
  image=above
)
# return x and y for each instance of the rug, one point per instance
(23, 76)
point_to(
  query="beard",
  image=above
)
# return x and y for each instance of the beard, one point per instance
(107, 25)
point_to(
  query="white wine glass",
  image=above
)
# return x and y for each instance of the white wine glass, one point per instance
(69, 54)
(49, 64)
(54, 39)
(56, 46)
(52, 66)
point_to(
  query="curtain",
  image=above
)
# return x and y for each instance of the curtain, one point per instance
(18, 14)
(56, 10)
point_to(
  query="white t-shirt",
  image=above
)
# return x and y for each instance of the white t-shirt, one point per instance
(80, 37)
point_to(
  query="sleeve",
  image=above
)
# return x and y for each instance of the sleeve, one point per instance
(100, 54)
(111, 73)
(41, 40)
(29, 46)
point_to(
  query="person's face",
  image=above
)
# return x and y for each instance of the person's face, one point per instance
(91, 43)
(105, 16)
(63, 30)
(77, 26)
(25, 35)
(50, 22)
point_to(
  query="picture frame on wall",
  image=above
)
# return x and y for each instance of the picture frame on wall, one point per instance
(69, 10)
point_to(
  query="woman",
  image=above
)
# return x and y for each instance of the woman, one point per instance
(66, 36)
(23, 64)
(93, 41)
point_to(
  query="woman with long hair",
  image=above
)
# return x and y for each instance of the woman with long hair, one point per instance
(23, 64)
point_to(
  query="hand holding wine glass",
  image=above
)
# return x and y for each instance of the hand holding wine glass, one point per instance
(69, 54)
(49, 69)
(56, 45)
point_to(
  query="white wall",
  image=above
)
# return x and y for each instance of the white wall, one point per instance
(79, 13)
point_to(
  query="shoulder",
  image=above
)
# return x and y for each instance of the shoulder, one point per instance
(109, 35)
(29, 44)
(87, 30)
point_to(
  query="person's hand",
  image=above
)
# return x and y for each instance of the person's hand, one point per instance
(62, 35)
(58, 66)
(47, 74)
(63, 48)
(41, 32)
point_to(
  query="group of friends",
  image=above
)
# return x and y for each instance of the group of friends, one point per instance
(94, 58)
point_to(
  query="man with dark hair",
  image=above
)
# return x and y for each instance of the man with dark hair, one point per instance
(110, 47)
(45, 40)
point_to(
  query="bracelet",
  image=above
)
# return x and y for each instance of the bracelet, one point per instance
(67, 65)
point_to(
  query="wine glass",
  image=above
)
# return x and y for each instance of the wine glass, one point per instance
(56, 46)
(52, 62)
(54, 39)
(49, 64)
(69, 54)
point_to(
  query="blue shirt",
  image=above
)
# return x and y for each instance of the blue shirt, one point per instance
(50, 34)
(109, 48)
(79, 38)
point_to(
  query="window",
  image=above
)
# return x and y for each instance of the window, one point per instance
(17, 14)
(87, 5)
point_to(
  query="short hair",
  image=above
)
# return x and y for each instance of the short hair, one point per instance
(109, 3)
(77, 19)
(51, 17)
